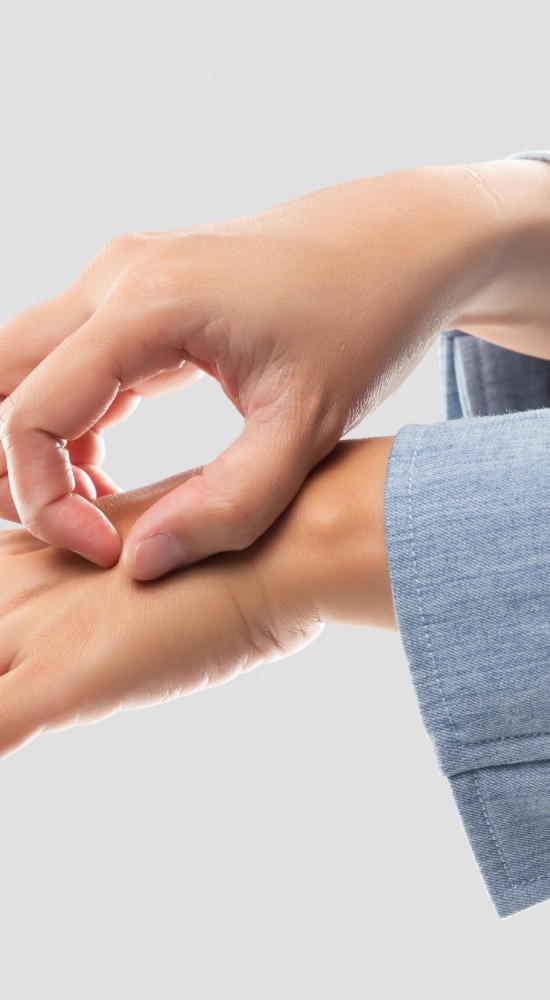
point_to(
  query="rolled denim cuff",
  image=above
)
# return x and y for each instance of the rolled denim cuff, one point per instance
(479, 379)
(531, 154)
(467, 518)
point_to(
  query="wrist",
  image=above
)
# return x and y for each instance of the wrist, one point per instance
(331, 554)
(511, 307)
(348, 540)
(476, 238)
(419, 250)
(323, 558)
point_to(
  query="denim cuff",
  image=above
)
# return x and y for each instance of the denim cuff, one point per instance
(467, 519)
(479, 379)
(530, 154)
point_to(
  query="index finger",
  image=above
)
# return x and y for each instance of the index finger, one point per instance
(125, 342)
(61, 399)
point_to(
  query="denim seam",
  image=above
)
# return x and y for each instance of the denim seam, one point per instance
(514, 885)
(493, 838)
(463, 743)
(482, 370)
(461, 385)
(417, 582)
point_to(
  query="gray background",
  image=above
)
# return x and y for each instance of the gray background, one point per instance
(287, 834)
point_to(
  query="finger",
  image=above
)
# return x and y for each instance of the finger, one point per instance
(60, 400)
(170, 381)
(8, 510)
(89, 482)
(90, 448)
(43, 484)
(104, 485)
(87, 451)
(123, 406)
(84, 485)
(31, 335)
(85, 454)
(226, 507)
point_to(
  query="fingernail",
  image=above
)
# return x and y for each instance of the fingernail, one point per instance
(157, 555)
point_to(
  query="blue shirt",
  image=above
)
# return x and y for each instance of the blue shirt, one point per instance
(467, 519)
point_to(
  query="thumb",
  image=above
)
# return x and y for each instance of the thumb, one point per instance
(228, 503)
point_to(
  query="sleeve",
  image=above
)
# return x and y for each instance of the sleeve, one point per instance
(467, 520)
(531, 154)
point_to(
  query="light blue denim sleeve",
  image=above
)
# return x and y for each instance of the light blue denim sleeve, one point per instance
(467, 517)
(531, 154)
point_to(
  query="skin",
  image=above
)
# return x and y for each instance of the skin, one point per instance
(79, 643)
(308, 315)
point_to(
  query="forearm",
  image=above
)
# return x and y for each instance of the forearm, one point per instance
(512, 310)
(482, 261)
(483, 238)
(410, 253)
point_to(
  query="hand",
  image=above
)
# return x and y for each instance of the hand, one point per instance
(78, 643)
(308, 315)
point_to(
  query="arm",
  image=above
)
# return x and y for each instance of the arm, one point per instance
(309, 315)
(326, 553)
(513, 310)
(78, 643)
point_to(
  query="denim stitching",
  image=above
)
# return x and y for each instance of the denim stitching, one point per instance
(499, 739)
(469, 743)
(430, 650)
(493, 838)
(514, 885)
(482, 369)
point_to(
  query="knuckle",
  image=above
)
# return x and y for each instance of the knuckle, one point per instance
(144, 273)
(144, 276)
(115, 255)
(157, 280)
(123, 246)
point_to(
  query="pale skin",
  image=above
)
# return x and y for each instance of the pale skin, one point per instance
(308, 315)
(79, 643)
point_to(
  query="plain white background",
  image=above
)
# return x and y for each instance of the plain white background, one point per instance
(287, 834)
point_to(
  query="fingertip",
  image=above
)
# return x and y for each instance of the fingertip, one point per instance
(104, 562)
(83, 484)
(103, 484)
(153, 557)
(72, 520)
